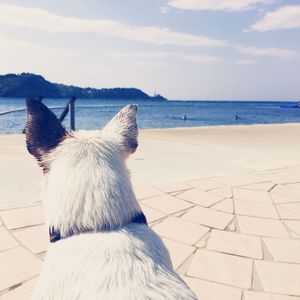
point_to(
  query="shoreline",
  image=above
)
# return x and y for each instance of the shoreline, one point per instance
(221, 126)
(192, 127)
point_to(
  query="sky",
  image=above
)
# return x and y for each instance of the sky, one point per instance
(182, 49)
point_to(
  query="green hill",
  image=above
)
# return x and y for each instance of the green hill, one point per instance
(32, 85)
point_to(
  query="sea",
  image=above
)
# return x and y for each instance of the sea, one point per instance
(94, 114)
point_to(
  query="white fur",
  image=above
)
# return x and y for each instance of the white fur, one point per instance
(88, 186)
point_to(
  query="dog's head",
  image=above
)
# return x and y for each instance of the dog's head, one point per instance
(44, 133)
(86, 182)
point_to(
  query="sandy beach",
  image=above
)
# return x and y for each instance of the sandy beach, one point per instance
(168, 155)
(225, 200)
(216, 174)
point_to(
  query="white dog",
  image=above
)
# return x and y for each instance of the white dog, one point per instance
(101, 245)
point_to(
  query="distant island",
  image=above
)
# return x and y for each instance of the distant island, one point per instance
(32, 85)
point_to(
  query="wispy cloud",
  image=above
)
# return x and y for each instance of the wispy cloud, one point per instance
(36, 18)
(164, 9)
(170, 56)
(9, 46)
(22, 56)
(268, 52)
(245, 61)
(226, 5)
(39, 19)
(285, 17)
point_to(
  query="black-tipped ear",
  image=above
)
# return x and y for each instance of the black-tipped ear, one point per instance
(43, 130)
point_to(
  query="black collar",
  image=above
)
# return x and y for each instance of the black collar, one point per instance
(55, 236)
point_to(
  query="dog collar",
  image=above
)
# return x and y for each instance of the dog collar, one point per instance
(54, 234)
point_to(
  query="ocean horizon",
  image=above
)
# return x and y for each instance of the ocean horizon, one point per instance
(95, 113)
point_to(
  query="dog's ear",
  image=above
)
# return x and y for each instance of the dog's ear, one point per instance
(43, 130)
(123, 128)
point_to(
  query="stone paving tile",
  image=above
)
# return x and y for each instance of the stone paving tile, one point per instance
(23, 217)
(6, 240)
(42, 255)
(291, 207)
(294, 235)
(294, 185)
(17, 265)
(280, 278)
(23, 205)
(35, 238)
(293, 225)
(203, 242)
(172, 187)
(255, 209)
(180, 230)
(284, 250)
(178, 252)
(250, 195)
(221, 268)
(264, 186)
(200, 197)
(287, 191)
(238, 179)
(235, 243)
(167, 204)
(204, 184)
(289, 176)
(208, 217)
(250, 295)
(143, 191)
(232, 227)
(206, 290)
(225, 192)
(24, 292)
(179, 214)
(281, 199)
(286, 214)
(294, 207)
(262, 227)
(225, 205)
(284, 297)
(284, 177)
(152, 214)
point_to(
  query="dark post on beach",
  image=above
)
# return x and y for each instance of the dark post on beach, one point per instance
(72, 112)
(70, 107)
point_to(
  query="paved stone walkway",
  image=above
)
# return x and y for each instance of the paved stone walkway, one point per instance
(230, 238)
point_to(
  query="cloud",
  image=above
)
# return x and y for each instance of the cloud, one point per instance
(35, 18)
(285, 17)
(226, 5)
(164, 9)
(167, 56)
(11, 46)
(245, 62)
(22, 56)
(270, 52)
(39, 19)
